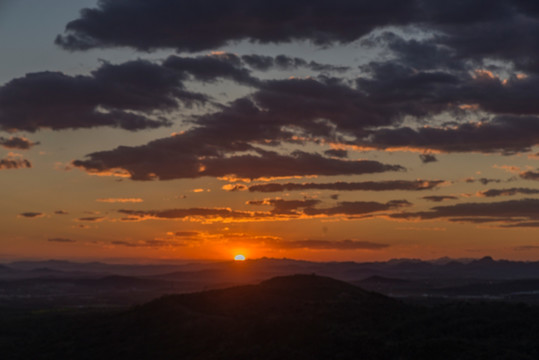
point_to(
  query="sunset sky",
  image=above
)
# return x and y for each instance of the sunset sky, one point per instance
(310, 129)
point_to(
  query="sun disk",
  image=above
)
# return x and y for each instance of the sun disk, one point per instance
(239, 258)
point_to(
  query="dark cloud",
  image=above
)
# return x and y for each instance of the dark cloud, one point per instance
(283, 62)
(351, 208)
(287, 63)
(331, 245)
(129, 218)
(203, 213)
(414, 185)
(281, 206)
(423, 93)
(393, 92)
(530, 175)
(212, 147)
(292, 109)
(62, 240)
(479, 220)
(528, 224)
(465, 57)
(405, 91)
(337, 153)
(211, 67)
(15, 142)
(286, 110)
(31, 214)
(235, 187)
(193, 154)
(315, 66)
(282, 209)
(505, 32)
(444, 73)
(259, 62)
(308, 207)
(154, 243)
(327, 108)
(428, 77)
(466, 60)
(317, 106)
(483, 181)
(469, 28)
(506, 134)
(61, 212)
(187, 233)
(439, 198)
(515, 32)
(107, 97)
(132, 95)
(427, 158)
(92, 218)
(14, 163)
(124, 243)
(424, 55)
(505, 211)
(508, 192)
(298, 163)
(209, 24)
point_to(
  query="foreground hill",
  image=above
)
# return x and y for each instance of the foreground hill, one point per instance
(292, 317)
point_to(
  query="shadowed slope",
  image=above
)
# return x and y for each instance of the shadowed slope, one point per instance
(279, 296)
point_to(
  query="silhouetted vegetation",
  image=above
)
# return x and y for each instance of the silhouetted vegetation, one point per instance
(293, 317)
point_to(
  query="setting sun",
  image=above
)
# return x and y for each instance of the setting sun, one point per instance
(239, 258)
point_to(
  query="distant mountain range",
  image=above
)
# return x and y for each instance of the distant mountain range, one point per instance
(66, 283)
(485, 268)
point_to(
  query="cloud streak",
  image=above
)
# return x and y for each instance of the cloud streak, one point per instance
(31, 214)
(92, 218)
(507, 192)
(182, 156)
(153, 243)
(512, 211)
(440, 198)
(487, 137)
(331, 245)
(61, 240)
(414, 185)
(281, 210)
(283, 62)
(120, 200)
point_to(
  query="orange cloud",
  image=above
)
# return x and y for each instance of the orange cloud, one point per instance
(120, 200)
(508, 168)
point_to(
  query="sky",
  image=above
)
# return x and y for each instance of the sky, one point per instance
(320, 130)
